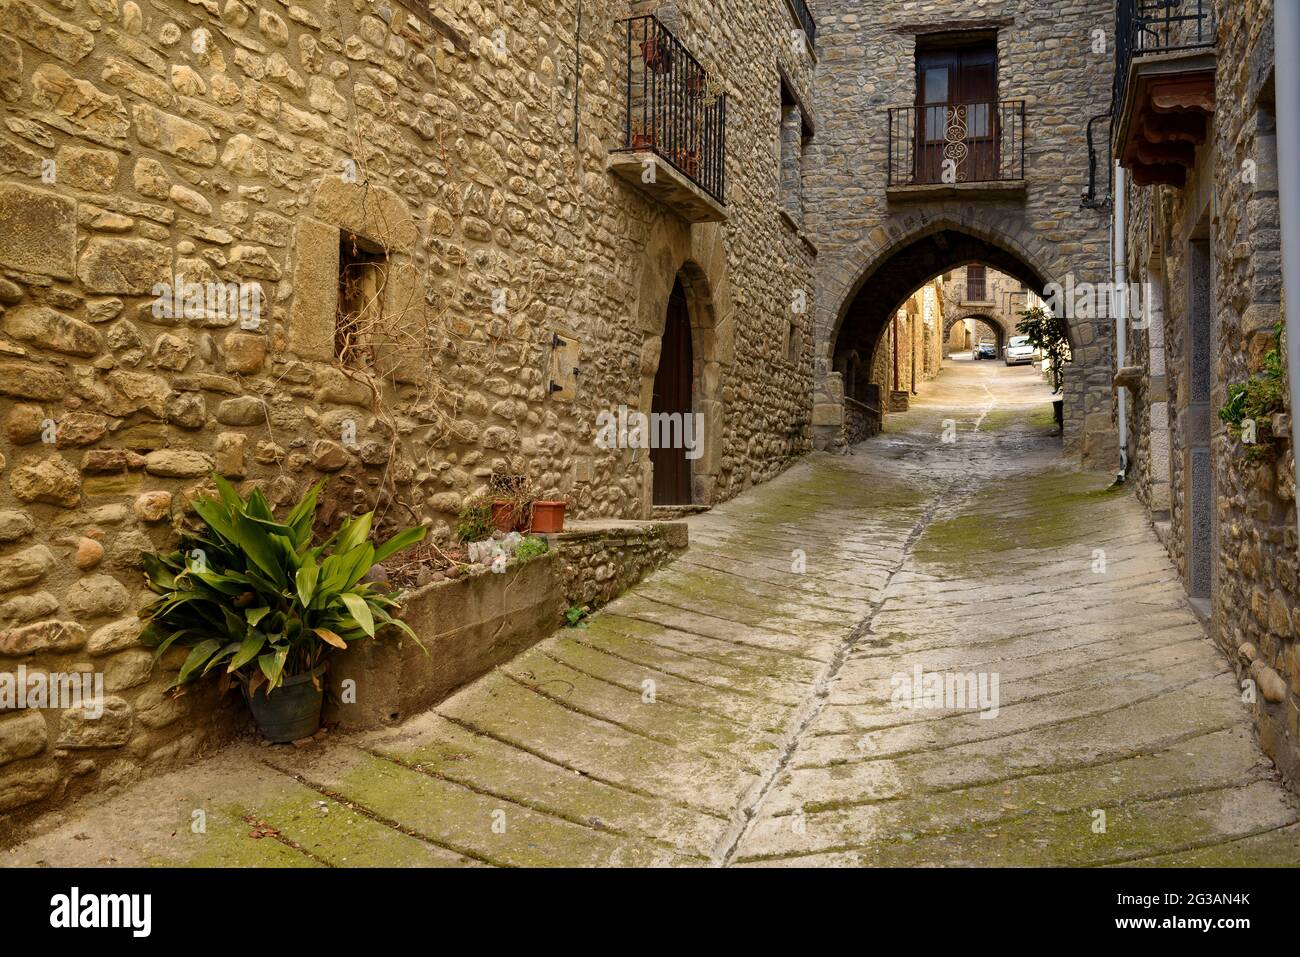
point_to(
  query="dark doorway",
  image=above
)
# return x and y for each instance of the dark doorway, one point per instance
(672, 395)
(956, 100)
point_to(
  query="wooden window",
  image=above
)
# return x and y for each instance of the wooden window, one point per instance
(956, 99)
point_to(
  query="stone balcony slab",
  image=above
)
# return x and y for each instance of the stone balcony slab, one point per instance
(653, 175)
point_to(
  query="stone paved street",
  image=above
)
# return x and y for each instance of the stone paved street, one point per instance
(735, 710)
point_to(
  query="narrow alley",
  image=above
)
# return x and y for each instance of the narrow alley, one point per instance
(741, 706)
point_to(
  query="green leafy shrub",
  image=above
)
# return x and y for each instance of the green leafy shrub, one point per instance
(474, 521)
(530, 547)
(1256, 400)
(1047, 334)
(254, 595)
(573, 616)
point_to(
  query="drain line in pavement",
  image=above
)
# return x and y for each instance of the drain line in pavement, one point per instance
(993, 400)
(746, 812)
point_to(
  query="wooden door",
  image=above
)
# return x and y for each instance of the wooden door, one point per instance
(956, 107)
(672, 394)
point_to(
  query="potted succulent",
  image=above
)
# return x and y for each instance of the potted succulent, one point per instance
(251, 596)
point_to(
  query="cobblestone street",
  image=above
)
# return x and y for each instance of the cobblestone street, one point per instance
(735, 708)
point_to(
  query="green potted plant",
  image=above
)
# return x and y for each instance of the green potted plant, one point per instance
(1254, 403)
(1046, 333)
(474, 521)
(253, 597)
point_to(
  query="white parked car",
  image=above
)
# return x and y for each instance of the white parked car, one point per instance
(1019, 351)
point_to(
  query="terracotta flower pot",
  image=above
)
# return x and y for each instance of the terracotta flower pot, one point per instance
(548, 517)
(504, 518)
(657, 56)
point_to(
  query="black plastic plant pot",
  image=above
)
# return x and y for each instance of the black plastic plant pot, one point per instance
(290, 712)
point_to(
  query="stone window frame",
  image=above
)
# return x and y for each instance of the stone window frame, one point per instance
(381, 220)
(795, 131)
(368, 256)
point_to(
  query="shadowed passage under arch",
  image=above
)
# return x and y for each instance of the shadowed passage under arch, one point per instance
(894, 278)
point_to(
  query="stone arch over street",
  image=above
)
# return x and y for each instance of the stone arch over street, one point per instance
(693, 260)
(1000, 331)
(858, 295)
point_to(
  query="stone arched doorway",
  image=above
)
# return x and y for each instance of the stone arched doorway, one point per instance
(674, 423)
(690, 264)
(984, 326)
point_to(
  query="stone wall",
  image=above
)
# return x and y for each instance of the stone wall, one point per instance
(438, 163)
(468, 626)
(598, 561)
(1000, 307)
(864, 231)
(1231, 197)
(861, 421)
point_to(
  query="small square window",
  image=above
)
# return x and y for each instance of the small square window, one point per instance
(363, 269)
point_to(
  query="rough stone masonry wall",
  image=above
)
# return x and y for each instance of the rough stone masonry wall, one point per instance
(1045, 56)
(1256, 596)
(599, 562)
(233, 141)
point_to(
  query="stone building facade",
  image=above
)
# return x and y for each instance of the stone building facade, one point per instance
(880, 233)
(1204, 243)
(434, 275)
(992, 303)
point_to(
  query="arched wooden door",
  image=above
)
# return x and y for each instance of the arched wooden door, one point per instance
(673, 394)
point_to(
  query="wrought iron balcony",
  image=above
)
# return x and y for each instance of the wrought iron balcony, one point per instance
(1163, 93)
(677, 114)
(955, 144)
(1146, 27)
(805, 18)
(971, 290)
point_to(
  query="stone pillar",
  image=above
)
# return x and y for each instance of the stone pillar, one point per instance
(828, 410)
(1157, 403)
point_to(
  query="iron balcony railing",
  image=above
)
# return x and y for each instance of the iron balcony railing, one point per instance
(1007, 297)
(673, 108)
(957, 143)
(1145, 27)
(972, 290)
(806, 21)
